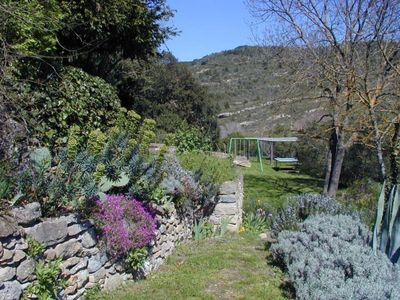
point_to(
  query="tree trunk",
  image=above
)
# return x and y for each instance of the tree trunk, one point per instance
(331, 160)
(336, 171)
(378, 143)
(394, 155)
(328, 171)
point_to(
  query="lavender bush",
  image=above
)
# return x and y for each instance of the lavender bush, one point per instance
(188, 189)
(330, 258)
(125, 223)
(298, 208)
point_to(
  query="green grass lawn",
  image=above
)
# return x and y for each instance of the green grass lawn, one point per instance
(231, 267)
(215, 169)
(273, 187)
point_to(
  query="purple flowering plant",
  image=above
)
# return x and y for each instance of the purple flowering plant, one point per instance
(125, 222)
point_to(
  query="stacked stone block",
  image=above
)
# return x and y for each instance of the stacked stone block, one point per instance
(229, 206)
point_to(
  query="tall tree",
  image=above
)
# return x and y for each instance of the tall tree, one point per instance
(339, 42)
(165, 90)
(39, 38)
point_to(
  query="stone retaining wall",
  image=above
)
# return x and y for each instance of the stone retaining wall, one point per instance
(229, 207)
(84, 263)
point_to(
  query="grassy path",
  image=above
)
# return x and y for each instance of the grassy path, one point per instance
(232, 267)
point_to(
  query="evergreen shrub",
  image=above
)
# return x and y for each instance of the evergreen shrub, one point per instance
(110, 163)
(188, 188)
(330, 258)
(298, 208)
(76, 98)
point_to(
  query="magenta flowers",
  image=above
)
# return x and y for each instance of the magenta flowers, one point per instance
(126, 224)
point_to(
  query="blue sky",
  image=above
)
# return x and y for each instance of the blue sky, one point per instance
(208, 26)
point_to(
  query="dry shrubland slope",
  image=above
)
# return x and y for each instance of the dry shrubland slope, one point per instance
(256, 89)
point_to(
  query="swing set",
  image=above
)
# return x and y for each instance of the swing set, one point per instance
(248, 146)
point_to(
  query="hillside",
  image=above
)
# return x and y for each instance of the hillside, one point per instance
(255, 89)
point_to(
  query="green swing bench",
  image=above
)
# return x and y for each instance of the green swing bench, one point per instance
(286, 163)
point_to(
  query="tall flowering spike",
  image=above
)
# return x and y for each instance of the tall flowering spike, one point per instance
(126, 224)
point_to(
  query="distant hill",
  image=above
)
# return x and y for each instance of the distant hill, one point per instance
(253, 88)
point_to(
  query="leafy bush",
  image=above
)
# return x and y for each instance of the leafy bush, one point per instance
(189, 139)
(166, 91)
(125, 223)
(114, 162)
(33, 182)
(223, 144)
(329, 258)
(5, 181)
(312, 154)
(202, 229)
(84, 172)
(48, 281)
(136, 258)
(76, 99)
(187, 189)
(298, 208)
(180, 183)
(362, 195)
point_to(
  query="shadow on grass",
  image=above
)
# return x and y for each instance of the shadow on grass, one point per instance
(273, 187)
(286, 286)
(283, 186)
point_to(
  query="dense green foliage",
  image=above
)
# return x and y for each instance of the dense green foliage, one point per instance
(35, 248)
(115, 162)
(71, 63)
(256, 222)
(189, 139)
(136, 257)
(75, 98)
(49, 281)
(164, 90)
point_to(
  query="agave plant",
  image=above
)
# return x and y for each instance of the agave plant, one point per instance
(387, 234)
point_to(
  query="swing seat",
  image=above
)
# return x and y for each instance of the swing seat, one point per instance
(289, 163)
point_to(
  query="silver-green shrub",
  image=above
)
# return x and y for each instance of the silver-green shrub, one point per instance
(330, 258)
(187, 188)
(297, 208)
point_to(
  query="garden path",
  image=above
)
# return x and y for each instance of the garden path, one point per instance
(230, 267)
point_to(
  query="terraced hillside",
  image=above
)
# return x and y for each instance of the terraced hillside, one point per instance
(256, 90)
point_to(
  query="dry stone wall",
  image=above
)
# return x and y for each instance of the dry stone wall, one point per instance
(75, 240)
(229, 207)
